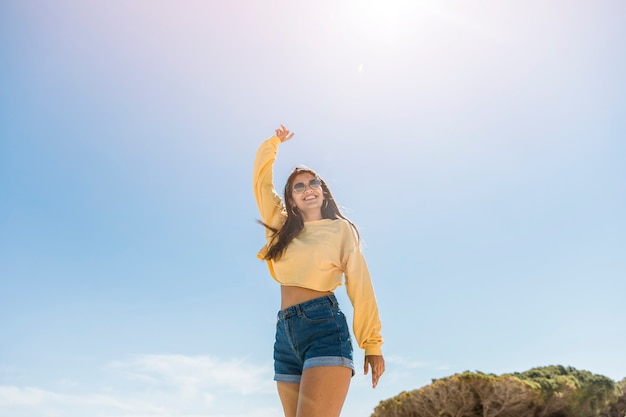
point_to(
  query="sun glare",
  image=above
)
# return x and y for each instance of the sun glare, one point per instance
(383, 20)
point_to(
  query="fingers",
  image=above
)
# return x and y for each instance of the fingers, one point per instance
(283, 133)
(376, 374)
(377, 363)
(281, 130)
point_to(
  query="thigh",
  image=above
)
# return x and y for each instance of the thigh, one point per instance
(288, 393)
(323, 390)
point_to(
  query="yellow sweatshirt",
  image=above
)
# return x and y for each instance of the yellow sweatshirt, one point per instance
(323, 252)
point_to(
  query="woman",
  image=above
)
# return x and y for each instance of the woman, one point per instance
(310, 245)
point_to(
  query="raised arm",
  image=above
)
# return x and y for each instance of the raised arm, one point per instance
(269, 203)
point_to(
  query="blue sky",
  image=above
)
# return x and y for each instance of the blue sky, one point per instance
(479, 146)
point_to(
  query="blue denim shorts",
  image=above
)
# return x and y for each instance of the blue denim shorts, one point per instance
(314, 333)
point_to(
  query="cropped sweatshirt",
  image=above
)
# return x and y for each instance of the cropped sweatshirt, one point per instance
(320, 255)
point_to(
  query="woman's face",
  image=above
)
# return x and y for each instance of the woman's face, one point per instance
(307, 194)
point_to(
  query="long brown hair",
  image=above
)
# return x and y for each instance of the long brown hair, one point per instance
(294, 223)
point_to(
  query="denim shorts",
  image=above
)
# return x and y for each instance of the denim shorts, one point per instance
(313, 333)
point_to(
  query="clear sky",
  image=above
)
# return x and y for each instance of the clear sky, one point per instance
(479, 146)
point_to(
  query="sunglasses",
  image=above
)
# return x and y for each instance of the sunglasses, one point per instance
(300, 187)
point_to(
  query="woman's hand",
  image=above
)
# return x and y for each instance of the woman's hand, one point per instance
(283, 133)
(377, 363)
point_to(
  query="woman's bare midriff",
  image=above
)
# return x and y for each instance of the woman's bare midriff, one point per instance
(290, 296)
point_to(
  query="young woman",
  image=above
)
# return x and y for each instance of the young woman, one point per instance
(310, 245)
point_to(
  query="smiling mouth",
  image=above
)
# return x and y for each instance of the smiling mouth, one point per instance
(309, 198)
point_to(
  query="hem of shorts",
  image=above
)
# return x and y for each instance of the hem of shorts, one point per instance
(293, 379)
(329, 361)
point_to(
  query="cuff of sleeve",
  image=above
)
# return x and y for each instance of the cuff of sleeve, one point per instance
(373, 350)
(274, 140)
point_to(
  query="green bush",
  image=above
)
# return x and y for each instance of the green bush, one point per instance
(551, 391)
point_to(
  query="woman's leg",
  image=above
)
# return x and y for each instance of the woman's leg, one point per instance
(323, 390)
(288, 393)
